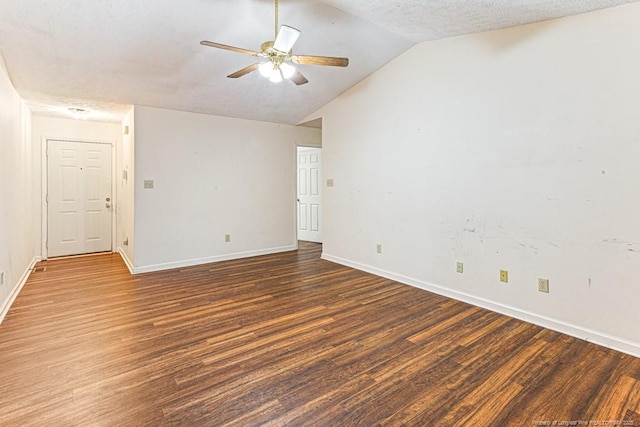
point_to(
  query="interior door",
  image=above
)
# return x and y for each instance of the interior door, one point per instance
(309, 194)
(79, 198)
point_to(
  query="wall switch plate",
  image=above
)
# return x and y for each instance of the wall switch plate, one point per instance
(227, 238)
(504, 276)
(148, 183)
(459, 267)
(330, 182)
(543, 285)
(379, 248)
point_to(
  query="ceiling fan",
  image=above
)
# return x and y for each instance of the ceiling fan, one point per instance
(278, 55)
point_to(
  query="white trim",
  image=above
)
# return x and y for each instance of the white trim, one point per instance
(44, 208)
(295, 195)
(126, 259)
(17, 288)
(207, 260)
(596, 337)
(114, 195)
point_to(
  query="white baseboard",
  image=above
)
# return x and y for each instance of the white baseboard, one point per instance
(126, 259)
(17, 288)
(207, 260)
(596, 337)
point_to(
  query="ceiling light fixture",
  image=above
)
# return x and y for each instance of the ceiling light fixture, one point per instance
(287, 70)
(266, 68)
(78, 111)
(275, 77)
(276, 72)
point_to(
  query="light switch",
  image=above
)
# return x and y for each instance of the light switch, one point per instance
(330, 182)
(543, 285)
(148, 183)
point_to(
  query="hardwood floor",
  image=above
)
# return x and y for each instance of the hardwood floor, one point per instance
(287, 339)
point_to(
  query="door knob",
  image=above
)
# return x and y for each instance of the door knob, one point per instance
(108, 205)
(108, 199)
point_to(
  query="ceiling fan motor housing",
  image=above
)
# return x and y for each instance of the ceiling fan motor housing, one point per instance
(274, 55)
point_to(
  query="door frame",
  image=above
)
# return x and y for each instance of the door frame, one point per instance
(45, 185)
(295, 192)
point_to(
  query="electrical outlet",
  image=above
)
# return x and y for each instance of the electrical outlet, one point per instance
(227, 238)
(148, 183)
(543, 285)
(379, 248)
(459, 267)
(504, 276)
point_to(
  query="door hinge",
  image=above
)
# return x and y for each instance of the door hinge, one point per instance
(46, 244)
(47, 198)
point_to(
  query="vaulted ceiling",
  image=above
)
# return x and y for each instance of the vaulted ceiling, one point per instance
(105, 55)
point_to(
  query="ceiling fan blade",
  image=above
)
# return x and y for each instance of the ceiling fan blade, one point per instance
(226, 47)
(287, 37)
(320, 60)
(298, 78)
(245, 70)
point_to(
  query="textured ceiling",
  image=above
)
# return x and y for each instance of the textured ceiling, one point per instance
(105, 55)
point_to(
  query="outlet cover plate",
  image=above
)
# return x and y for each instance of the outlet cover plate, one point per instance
(459, 267)
(504, 276)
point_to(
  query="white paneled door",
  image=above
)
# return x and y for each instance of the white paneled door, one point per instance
(309, 194)
(79, 198)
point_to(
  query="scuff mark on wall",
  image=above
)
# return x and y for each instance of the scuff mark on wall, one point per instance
(630, 246)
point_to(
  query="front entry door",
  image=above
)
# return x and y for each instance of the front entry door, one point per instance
(309, 195)
(79, 198)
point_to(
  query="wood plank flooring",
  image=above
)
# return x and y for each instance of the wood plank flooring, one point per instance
(287, 339)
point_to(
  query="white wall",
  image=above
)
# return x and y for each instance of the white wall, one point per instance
(17, 252)
(66, 129)
(212, 176)
(125, 191)
(516, 149)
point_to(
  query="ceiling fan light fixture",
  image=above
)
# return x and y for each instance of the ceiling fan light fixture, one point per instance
(287, 70)
(275, 53)
(275, 77)
(266, 69)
